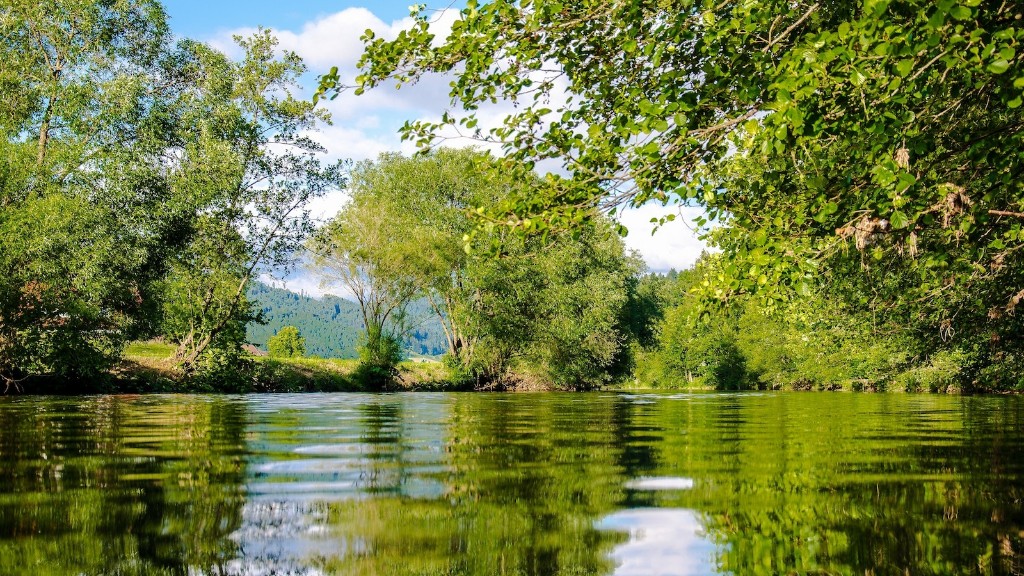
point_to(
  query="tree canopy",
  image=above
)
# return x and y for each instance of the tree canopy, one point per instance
(551, 310)
(287, 343)
(143, 183)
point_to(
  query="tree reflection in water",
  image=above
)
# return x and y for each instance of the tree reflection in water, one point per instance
(511, 484)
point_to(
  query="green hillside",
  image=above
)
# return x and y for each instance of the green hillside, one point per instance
(332, 325)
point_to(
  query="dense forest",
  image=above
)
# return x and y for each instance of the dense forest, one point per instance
(331, 325)
(860, 167)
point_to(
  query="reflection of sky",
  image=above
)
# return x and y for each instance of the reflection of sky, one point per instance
(662, 542)
(310, 452)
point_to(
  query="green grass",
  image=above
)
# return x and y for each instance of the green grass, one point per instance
(149, 350)
(149, 366)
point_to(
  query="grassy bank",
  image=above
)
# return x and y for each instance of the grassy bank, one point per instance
(150, 367)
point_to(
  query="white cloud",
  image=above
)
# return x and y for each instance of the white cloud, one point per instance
(334, 40)
(349, 141)
(674, 245)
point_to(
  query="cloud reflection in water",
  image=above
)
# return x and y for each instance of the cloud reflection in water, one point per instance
(662, 542)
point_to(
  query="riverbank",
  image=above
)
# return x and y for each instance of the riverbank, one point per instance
(148, 367)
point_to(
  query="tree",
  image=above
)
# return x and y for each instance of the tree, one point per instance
(425, 200)
(366, 250)
(872, 138)
(287, 343)
(86, 212)
(554, 306)
(251, 171)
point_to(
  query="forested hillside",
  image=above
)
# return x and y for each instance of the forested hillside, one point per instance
(331, 325)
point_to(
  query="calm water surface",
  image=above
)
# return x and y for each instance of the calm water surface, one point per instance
(477, 484)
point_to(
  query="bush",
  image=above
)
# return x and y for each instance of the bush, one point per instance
(378, 360)
(942, 373)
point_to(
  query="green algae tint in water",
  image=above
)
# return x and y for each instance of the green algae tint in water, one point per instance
(433, 484)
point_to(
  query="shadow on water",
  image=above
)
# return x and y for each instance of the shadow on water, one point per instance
(431, 484)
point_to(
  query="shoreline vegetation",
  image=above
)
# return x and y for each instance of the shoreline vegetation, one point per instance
(859, 168)
(149, 367)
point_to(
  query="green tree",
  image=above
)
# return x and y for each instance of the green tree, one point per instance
(554, 307)
(425, 200)
(870, 140)
(251, 171)
(87, 215)
(365, 249)
(287, 343)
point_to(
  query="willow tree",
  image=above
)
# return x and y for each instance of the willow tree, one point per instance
(551, 307)
(419, 206)
(365, 250)
(873, 144)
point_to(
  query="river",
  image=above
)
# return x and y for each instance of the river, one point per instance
(524, 484)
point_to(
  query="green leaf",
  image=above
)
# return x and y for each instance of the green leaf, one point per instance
(960, 12)
(999, 66)
(904, 67)
(899, 220)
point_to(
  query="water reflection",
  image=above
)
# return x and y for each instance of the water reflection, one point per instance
(432, 484)
(662, 542)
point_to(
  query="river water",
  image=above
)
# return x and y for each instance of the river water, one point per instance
(518, 484)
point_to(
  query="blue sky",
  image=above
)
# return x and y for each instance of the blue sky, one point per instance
(203, 18)
(326, 33)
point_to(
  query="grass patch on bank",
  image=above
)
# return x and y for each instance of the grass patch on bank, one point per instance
(149, 367)
(149, 350)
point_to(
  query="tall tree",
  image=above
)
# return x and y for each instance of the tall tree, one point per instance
(426, 199)
(367, 249)
(251, 171)
(554, 304)
(86, 212)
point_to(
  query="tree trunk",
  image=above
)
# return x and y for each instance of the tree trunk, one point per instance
(44, 133)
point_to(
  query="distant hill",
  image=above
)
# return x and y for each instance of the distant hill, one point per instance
(332, 325)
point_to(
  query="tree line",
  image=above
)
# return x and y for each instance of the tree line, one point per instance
(860, 165)
(147, 182)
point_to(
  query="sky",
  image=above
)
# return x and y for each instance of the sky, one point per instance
(326, 33)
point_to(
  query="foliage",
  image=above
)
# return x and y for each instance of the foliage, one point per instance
(141, 185)
(86, 213)
(252, 170)
(427, 198)
(868, 150)
(287, 343)
(810, 342)
(554, 307)
(367, 250)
